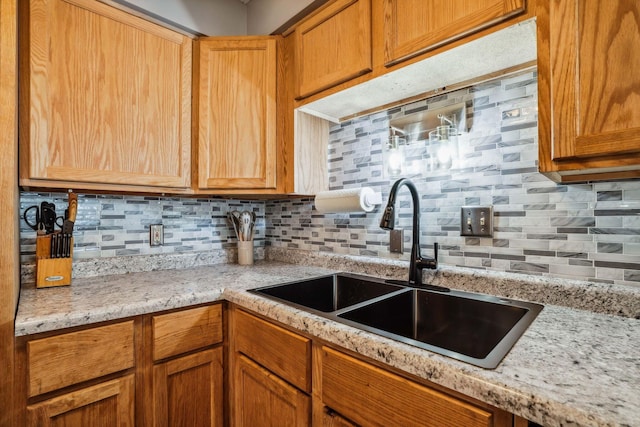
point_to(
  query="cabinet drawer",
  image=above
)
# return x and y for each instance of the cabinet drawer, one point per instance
(284, 353)
(187, 330)
(67, 359)
(355, 389)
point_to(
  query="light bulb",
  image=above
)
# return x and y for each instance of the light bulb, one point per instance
(394, 163)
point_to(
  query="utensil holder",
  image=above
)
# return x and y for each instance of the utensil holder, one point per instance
(52, 272)
(245, 252)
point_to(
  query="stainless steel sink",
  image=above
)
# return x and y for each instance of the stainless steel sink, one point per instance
(329, 293)
(475, 328)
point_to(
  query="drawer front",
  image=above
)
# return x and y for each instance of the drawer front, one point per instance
(282, 352)
(67, 359)
(369, 395)
(187, 330)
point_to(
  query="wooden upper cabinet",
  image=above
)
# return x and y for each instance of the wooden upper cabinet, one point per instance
(333, 46)
(236, 104)
(412, 27)
(105, 99)
(589, 88)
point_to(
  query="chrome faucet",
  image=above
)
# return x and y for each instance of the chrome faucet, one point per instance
(387, 222)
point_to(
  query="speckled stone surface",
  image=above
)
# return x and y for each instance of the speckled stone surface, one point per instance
(571, 367)
(98, 299)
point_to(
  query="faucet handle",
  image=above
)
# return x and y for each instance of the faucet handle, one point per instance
(435, 252)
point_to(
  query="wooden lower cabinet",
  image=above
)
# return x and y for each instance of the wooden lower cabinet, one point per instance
(370, 395)
(270, 376)
(106, 404)
(261, 398)
(345, 390)
(276, 377)
(188, 391)
(187, 368)
(161, 369)
(83, 377)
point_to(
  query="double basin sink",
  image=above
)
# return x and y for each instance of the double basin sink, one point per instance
(474, 328)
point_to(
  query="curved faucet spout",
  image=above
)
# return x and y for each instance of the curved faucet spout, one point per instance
(417, 262)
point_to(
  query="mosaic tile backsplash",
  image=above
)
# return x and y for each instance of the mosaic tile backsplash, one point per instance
(114, 226)
(582, 231)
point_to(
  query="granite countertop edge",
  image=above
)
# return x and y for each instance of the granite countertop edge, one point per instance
(520, 384)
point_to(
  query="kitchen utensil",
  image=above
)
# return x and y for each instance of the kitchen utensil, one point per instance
(44, 217)
(70, 217)
(253, 224)
(246, 221)
(234, 218)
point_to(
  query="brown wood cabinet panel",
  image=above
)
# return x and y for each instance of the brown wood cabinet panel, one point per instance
(107, 404)
(186, 330)
(286, 354)
(236, 130)
(333, 419)
(188, 391)
(10, 249)
(412, 27)
(260, 398)
(105, 99)
(333, 46)
(378, 397)
(589, 92)
(71, 358)
(598, 105)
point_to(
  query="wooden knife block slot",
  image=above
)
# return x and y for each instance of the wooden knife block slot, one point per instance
(52, 272)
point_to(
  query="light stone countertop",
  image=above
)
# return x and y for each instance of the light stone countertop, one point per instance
(571, 367)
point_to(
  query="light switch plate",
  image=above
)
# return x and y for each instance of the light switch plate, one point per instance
(396, 241)
(476, 221)
(156, 235)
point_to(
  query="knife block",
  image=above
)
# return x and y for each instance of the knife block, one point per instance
(51, 272)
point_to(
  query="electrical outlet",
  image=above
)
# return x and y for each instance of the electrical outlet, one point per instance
(396, 241)
(476, 221)
(156, 235)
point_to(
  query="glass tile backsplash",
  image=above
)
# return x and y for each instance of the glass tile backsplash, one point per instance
(584, 231)
(112, 226)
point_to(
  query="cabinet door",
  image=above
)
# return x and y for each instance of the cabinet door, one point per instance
(333, 46)
(594, 80)
(237, 113)
(105, 98)
(106, 404)
(260, 398)
(188, 391)
(412, 27)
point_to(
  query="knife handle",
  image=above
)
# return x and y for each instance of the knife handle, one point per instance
(73, 207)
(52, 246)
